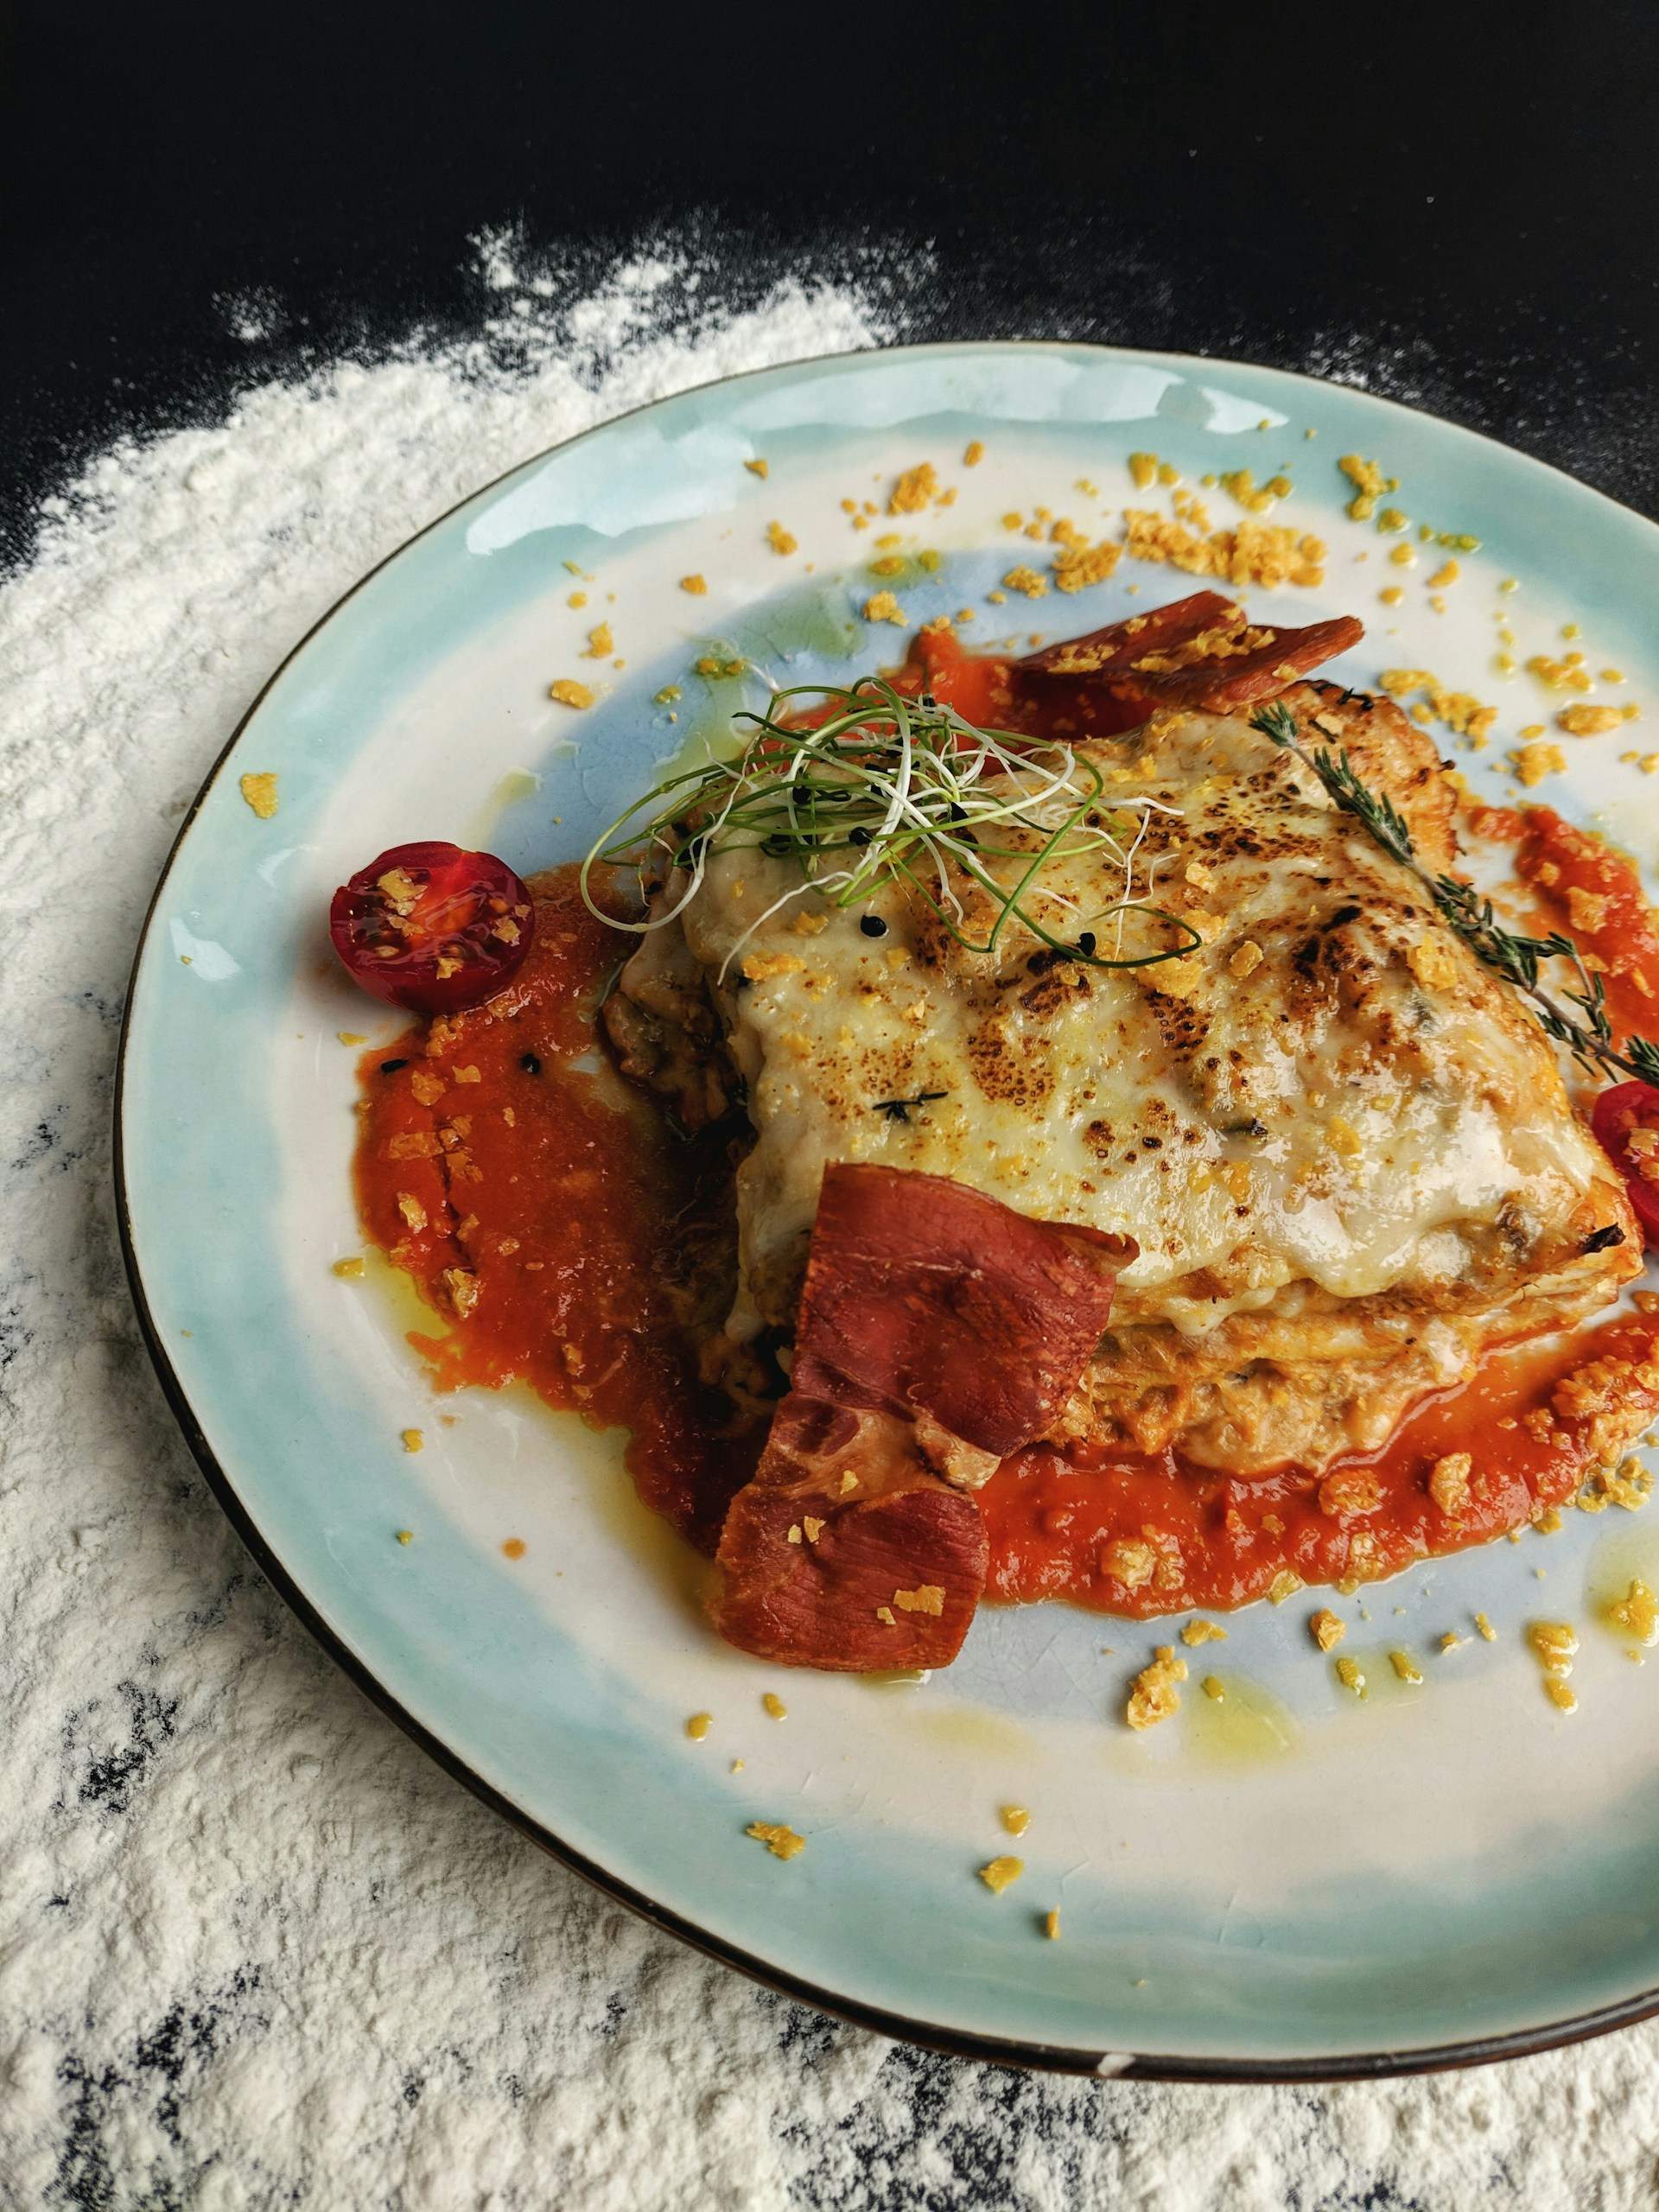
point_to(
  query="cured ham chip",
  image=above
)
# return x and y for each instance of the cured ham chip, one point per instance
(939, 1330)
(1200, 651)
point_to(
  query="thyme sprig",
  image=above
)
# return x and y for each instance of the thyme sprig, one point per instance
(1588, 1034)
(886, 790)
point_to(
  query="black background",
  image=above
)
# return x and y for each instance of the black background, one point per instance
(1457, 207)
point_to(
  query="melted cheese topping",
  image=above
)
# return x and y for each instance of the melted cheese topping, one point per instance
(1331, 1094)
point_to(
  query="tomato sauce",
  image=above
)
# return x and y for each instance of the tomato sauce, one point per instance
(547, 1211)
(574, 1243)
(1593, 893)
(982, 689)
(1215, 1542)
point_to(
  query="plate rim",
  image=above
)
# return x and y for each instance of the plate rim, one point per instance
(949, 2041)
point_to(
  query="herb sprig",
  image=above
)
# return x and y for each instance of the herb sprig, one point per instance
(888, 791)
(1587, 1033)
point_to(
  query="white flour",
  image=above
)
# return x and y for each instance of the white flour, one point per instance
(254, 1949)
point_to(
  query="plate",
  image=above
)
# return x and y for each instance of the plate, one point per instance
(1293, 1882)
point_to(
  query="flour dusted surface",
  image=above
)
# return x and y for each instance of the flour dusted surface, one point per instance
(255, 1948)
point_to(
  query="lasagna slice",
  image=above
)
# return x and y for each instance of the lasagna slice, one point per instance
(1343, 1148)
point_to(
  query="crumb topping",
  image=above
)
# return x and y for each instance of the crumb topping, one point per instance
(781, 1842)
(259, 789)
(997, 1874)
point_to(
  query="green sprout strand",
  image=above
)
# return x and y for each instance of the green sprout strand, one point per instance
(883, 790)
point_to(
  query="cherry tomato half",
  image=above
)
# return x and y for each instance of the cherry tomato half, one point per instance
(1626, 1122)
(431, 928)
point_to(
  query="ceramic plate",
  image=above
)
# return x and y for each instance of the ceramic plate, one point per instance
(1291, 1882)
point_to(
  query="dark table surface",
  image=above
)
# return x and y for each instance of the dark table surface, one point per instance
(1455, 208)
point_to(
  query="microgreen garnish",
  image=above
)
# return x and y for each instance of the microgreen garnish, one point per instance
(1587, 1035)
(889, 791)
(897, 1109)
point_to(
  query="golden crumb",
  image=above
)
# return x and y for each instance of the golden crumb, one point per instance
(513, 1548)
(350, 1037)
(601, 643)
(405, 1535)
(694, 584)
(779, 539)
(1560, 1695)
(569, 693)
(1214, 1688)
(973, 453)
(414, 1440)
(774, 1705)
(1451, 1641)
(758, 467)
(762, 967)
(1153, 1695)
(1553, 1643)
(1027, 581)
(260, 792)
(1075, 567)
(1351, 1676)
(1052, 1925)
(1352, 1489)
(1128, 1560)
(1368, 482)
(1460, 712)
(885, 1615)
(1255, 553)
(914, 489)
(698, 1725)
(1325, 1628)
(890, 565)
(997, 1874)
(1636, 1613)
(925, 1597)
(1405, 1667)
(1015, 1819)
(1591, 722)
(1248, 958)
(1448, 1484)
(1143, 467)
(1568, 674)
(882, 606)
(1200, 1631)
(348, 1268)
(1532, 763)
(577, 599)
(782, 1842)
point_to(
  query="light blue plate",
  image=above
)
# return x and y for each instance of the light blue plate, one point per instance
(1291, 1882)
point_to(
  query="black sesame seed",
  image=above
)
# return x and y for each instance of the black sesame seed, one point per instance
(858, 836)
(530, 1063)
(871, 925)
(390, 1067)
(1086, 942)
(1602, 1240)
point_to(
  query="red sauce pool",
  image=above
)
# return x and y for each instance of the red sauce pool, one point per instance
(567, 1214)
(1589, 891)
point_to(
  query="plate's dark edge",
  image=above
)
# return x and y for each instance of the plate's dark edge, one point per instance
(949, 2042)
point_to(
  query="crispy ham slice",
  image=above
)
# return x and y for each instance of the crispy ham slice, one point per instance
(1201, 652)
(939, 1330)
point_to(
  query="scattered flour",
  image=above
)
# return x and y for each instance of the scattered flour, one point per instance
(254, 1949)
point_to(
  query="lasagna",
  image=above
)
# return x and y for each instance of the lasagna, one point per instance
(1343, 1148)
